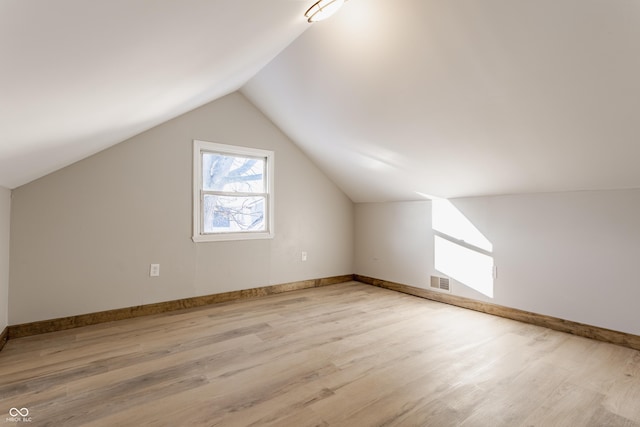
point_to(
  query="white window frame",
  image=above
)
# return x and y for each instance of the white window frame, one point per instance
(200, 147)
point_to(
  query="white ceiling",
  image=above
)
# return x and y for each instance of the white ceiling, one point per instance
(464, 97)
(389, 97)
(78, 76)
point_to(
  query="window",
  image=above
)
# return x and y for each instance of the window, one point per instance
(232, 192)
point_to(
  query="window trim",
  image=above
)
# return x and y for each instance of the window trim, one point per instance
(204, 146)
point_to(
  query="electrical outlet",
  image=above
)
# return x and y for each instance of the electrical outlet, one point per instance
(304, 256)
(154, 271)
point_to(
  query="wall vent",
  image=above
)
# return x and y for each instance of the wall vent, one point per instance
(441, 283)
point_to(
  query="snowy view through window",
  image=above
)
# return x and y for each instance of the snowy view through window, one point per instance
(234, 193)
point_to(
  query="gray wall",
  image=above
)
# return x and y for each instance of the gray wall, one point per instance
(84, 236)
(5, 210)
(571, 255)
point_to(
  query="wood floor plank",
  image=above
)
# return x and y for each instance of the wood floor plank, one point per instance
(342, 355)
(560, 407)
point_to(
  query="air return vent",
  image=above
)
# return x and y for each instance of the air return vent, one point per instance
(441, 283)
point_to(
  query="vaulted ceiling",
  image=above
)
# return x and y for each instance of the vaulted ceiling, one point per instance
(391, 98)
(78, 76)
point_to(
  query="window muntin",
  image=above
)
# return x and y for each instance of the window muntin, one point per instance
(233, 192)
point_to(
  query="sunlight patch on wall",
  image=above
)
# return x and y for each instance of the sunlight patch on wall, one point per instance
(461, 251)
(447, 219)
(472, 268)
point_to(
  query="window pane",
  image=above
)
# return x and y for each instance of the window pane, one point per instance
(228, 214)
(232, 173)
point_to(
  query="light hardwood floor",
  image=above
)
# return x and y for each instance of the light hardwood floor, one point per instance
(341, 355)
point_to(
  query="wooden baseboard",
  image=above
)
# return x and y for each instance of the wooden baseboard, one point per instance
(3, 337)
(44, 326)
(580, 329)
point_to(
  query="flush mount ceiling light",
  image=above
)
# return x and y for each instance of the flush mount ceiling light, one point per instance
(322, 9)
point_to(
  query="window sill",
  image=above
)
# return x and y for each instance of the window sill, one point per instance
(225, 237)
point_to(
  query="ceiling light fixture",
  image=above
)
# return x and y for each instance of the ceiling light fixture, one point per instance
(322, 9)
